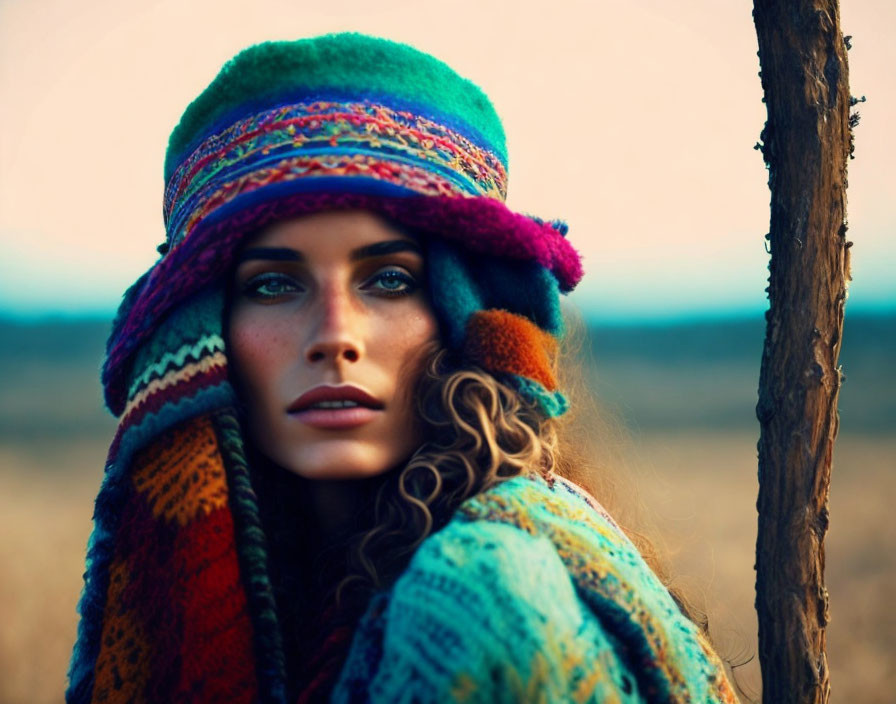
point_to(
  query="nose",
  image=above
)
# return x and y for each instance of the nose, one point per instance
(337, 334)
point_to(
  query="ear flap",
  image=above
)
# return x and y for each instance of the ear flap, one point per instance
(178, 373)
(463, 283)
(503, 315)
(519, 353)
(522, 287)
(508, 343)
(455, 295)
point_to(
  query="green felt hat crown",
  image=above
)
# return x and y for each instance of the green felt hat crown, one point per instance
(347, 63)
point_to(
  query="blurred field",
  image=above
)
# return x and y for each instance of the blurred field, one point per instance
(702, 489)
(686, 392)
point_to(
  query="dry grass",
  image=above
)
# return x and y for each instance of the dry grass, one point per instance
(46, 502)
(700, 489)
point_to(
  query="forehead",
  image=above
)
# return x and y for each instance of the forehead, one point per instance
(333, 233)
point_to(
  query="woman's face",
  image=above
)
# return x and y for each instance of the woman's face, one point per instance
(328, 329)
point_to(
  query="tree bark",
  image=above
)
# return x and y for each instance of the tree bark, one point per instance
(806, 143)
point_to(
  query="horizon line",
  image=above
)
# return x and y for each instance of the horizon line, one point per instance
(611, 319)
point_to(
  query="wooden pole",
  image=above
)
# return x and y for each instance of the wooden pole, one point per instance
(806, 143)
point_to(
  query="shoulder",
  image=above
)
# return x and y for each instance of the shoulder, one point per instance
(633, 608)
(486, 611)
(498, 571)
(530, 592)
(503, 555)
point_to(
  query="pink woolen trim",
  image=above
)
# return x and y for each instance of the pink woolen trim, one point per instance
(488, 226)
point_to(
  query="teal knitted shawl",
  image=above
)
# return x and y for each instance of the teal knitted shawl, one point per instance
(530, 594)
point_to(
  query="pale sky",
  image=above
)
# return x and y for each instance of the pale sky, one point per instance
(634, 121)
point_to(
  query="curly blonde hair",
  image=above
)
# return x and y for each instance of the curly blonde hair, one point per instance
(478, 432)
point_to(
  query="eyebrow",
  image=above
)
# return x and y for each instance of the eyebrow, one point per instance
(285, 254)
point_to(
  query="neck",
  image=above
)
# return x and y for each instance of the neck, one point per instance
(313, 514)
(336, 508)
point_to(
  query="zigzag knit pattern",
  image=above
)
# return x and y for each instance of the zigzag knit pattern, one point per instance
(208, 347)
(530, 593)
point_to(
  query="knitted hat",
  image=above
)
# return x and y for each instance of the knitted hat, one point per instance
(177, 601)
(350, 121)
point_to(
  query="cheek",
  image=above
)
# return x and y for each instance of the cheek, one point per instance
(256, 349)
(409, 337)
(406, 345)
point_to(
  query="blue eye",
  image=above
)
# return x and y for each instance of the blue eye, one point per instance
(393, 282)
(270, 286)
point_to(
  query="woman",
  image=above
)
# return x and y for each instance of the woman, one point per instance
(337, 472)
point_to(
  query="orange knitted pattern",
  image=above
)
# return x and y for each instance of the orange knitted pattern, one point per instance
(501, 341)
(121, 673)
(184, 475)
(174, 582)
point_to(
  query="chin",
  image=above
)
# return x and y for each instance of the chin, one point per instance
(342, 460)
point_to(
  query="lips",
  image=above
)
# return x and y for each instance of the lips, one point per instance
(335, 408)
(334, 398)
